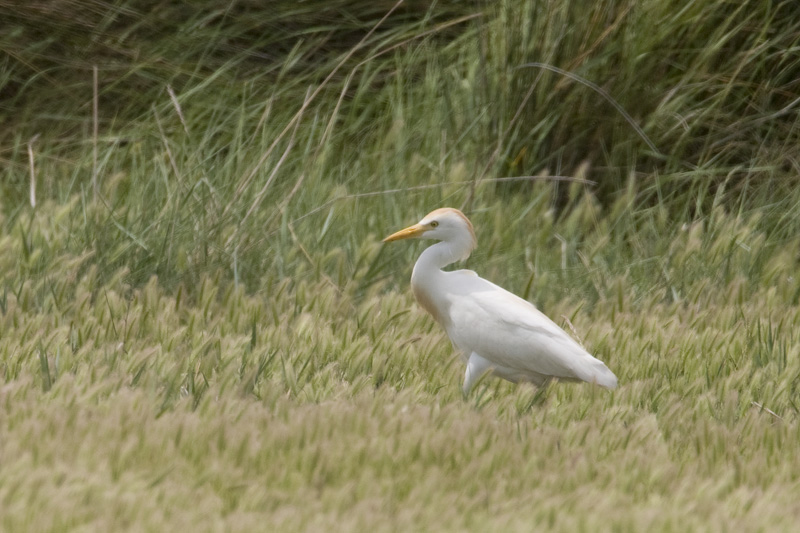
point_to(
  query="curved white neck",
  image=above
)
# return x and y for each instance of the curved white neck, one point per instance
(427, 279)
(440, 255)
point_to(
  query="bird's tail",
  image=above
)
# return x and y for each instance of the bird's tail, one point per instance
(604, 377)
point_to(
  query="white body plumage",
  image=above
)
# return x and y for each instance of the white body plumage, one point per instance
(495, 330)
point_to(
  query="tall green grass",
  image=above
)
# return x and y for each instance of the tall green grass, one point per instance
(206, 150)
(213, 337)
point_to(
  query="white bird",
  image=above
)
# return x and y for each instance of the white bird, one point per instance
(495, 330)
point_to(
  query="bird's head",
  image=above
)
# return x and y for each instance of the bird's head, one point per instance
(444, 224)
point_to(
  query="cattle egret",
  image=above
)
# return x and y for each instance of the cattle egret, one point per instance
(495, 331)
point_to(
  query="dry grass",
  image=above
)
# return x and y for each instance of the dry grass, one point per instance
(216, 339)
(313, 405)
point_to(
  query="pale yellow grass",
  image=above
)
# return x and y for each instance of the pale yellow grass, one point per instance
(309, 405)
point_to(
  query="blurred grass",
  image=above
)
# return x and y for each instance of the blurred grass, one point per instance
(214, 338)
(196, 162)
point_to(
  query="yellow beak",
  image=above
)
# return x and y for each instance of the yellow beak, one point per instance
(412, 231)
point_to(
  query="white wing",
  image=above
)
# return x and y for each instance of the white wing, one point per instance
(510, 332)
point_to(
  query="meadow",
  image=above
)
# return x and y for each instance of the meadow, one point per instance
(201, 329)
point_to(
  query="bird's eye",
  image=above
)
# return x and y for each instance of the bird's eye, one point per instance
(434, 224)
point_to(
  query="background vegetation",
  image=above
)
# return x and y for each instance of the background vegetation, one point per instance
(200, 328)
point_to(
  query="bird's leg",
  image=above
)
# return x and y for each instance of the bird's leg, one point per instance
(477, 367)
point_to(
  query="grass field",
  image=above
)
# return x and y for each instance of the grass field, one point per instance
(200, 328)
